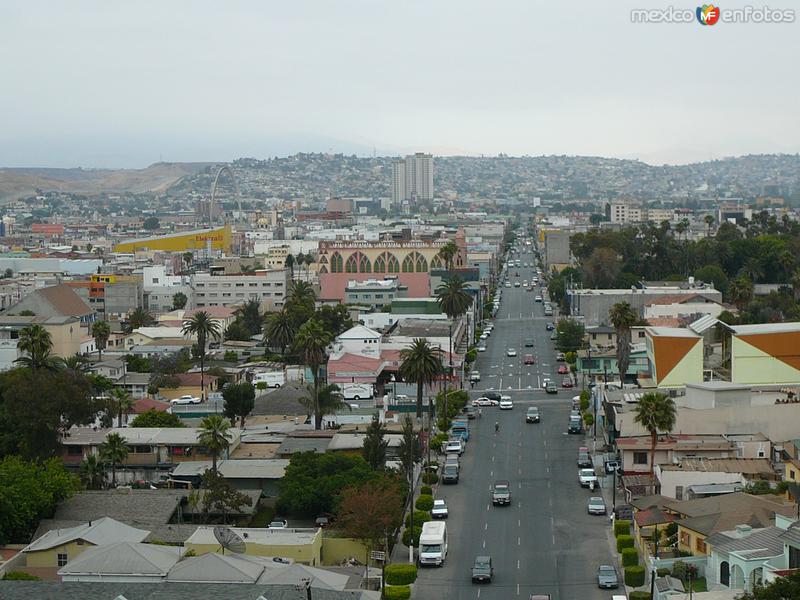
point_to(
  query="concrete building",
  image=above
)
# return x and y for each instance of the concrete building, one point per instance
(412, 178)
(686, 478)
(556, 250)
(686, 306)
(267, 286)
(110, 294)
(66, 334)
(766, 353)
(374, 292)
(675, 355)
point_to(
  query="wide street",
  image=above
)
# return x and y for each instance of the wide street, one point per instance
(544, 542)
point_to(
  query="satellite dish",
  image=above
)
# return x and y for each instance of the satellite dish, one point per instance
(229, 540)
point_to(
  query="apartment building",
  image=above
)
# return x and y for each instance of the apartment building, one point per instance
(268, 286)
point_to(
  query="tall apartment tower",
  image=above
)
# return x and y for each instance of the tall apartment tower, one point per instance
(412, 178)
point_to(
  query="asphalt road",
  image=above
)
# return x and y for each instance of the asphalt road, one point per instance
(544, 542)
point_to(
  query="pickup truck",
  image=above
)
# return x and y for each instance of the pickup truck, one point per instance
(439, 510)
(501, 492)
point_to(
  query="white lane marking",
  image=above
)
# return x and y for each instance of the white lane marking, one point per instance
(545, 443)
(519, 541)
(548, 469)
(517, 590)
(518, 563)
(484, 543)
(554, 539)
(519, 522)
(479, 592)
(491, 473)
(548, 485)
(520, 486)
(519, 505)
(485, 526)
(492, 458)
(519, 471)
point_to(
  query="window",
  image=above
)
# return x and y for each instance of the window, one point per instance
(377, 296)
(337, 263)
(640, 458)
(239, 285)
(155, 279)
(794, 557)
(792, 474)
(686, 539)
(252, 284)
(74, 451)
(700, 546)
(594, 336)
(142, 449)
(62, 559)
(641, 334)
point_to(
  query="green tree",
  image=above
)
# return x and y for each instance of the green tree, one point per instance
(709, 220)
(221, 497)
(655, 412)
(138, 318)
(36, 343)
(741, 291)
(335, 319)
(156, 418)
(602, 268)
(122, 402)
(289, 264)
(238, 331)
(623, 317)
(92, 472)
(239, 401)
(420, 363)
(179, 301)
(114, 451)
(374, 448)
(447, 254)
(101, 331)
(570, 335)
(410, 450)
(327, 400)
(151, 223)
(311, 342)
(250, 315)
(713, 274)
(783, 588)
(215, 435)
(302, 294)
(137, 364)
(453, 297)
(203, 327)
(279, 330)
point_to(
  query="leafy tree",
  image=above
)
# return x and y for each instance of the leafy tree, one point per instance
(655, 412)
(453, 297)
(92, 472)
(280, 330)
(410, 450)
(239, 401)
(313, 482)
(250, 316)
(311, 342)
(101, 331)
(30, 491)
(203, 327)
(713, 274)
(179, 301)
(420, 363)
(602, 268)
(156, 418)
(238, 331)
(335, 319)
(138, 318)
(570, 335)
(215, 435)
(741, 291)
(623, 317)
(327, 400)
(114, 451)
(151, 223)
(137, 364)
(374, 449)
(36, 343)
(221, 497)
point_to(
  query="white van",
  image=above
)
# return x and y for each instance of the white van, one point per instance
(433, 543)
(273, 379)
(356, 391)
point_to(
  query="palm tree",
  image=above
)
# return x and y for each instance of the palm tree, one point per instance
(114, 450)
(139, 317)
(92, 472)
(709, 219)
(202, 326)
(302, 294)
(796, 284)
(787, 262)
(279, 329)
(623, 317)
(448, 253)
(309, 260)
(453, 297)
(77, 364)
(311, 342)
(289, 264)
(101, 331)
(655, 412)
(741, 291)
(420, 363)
(329, 401)
(37, 344)
(752, 269)
(122, 403)
(215, 435)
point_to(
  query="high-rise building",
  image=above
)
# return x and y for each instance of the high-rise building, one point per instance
(412, 178)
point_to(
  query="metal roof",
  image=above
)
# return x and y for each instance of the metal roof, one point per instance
(124, 558)
(102, 531)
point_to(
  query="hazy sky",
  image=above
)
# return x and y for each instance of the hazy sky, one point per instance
(126, 83)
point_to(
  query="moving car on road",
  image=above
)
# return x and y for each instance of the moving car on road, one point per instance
(550, 326)
(501, 492)
(529, 342)
(551, 387)
(566, 382)
(482, 570)
(279, 524)
(532, 415)
(484, 401)
(506, 403)
(538, 298)
(475, 376)
(560, 357)
(528, 360)
(511, 352)
(563, 369)
(607, 577)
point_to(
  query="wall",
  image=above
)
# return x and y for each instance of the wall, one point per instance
(336, 549)
(333, 285)
(220, 239)
(751, 365)
(669, 480)
(688, 370)
(688, 539)
(308, 554)
(66, 338)
(49, 558)
(679, 310)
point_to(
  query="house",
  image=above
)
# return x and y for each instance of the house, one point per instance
(305, 441)
(671, 448)
(135, 384)
(55, 301)
(66, 334)
(146, 335)
(122, 562)
(690, 306)
(222, 316)
(57, 547)
(244, 474)
(602, 365)
(737, 557)
(300, 545)
(690, 478)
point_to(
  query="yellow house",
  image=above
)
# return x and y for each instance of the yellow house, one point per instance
(59, 546)
(302, 545)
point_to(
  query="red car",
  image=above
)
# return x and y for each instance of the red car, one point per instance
(566, 383)
(528, 360)
(563, 370)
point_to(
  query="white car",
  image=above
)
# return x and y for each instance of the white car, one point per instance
(482, 348)
(185, 399)
(511, 352)
(484, 401)
(455, 446)
(506, 403)
(439, 510)
(484, 336)
(586, 477)
(508, 284)
(537, 299)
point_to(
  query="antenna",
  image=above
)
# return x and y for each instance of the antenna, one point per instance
(229, 540)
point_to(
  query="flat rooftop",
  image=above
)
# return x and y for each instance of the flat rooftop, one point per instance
(288, 536)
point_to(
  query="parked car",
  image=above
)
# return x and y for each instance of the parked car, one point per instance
(584, 458)
(439, 510)
(596, 506)
(538, 298)
(475, 376)
(322, 521)
(482, 348)
(506, 403)
(566, 382)
(586, 477)
(279, 524)
(492, 395)
(185, 399)
(470, 412)
(532, 415)
(550, 326)
(482, 570)
(607, 577)
(456, 446)
(528, 360)
(560, 357)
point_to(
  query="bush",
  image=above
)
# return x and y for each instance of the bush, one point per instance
(571, 357)
(624, 541)
(20, 576)
(584, 406)
(662, 571)
(622, 527)
(430, 478)
(420, 517)
(400, 574)
(424, 502)
(407, 536)
(639, 595)
(397, 592)
(426, 490)
(588, 419)
(630, 557)
(634, 576)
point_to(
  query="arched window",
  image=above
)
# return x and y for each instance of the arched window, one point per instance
(392, 264)
(421, 264)
(337, 263)
(408, 263)
(415, 263)
(380, 264)
(436, 263)
(352, 263)
(363, 265)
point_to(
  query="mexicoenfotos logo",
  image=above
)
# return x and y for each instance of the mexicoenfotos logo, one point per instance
(708, 14)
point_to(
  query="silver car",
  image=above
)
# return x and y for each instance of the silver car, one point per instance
(607, 577)
(597, 506)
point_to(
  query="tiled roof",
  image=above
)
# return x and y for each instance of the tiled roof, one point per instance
(64, 300)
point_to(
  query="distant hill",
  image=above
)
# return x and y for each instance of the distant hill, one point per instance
(15, 183)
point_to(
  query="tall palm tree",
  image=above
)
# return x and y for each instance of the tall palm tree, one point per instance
(655, 412)
(203, 327)
(420, 363)
(741, 291)
(623, 317)
(289, 264)
(101, 331)
(310, 259)
(250, 315)
(37, 344)
(139, 317)
(215, 435)
(279, 329)
(709, 220)
(328, 400)
(114, 450)
(122, 403)
(787, 262)
(753, 269)
(311, 342)
(796, 284)
(448, 253)
(453, 296)
(302, 294)
(92, 471)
